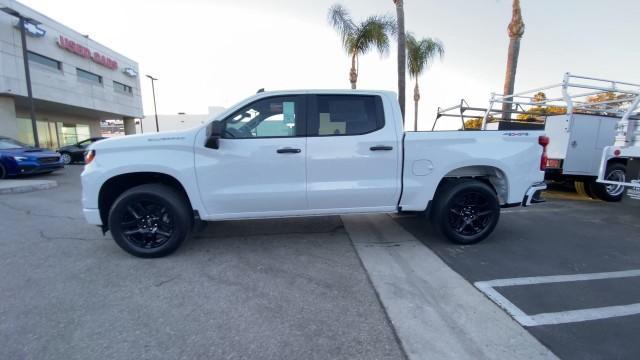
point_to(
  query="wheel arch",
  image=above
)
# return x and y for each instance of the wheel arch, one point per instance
(112, 188)
(617, 160)
(490, 175)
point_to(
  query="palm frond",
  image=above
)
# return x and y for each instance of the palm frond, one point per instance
(339, 18)
(421, 52)
(374, 32)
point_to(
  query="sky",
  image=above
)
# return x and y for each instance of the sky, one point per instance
(218, 52)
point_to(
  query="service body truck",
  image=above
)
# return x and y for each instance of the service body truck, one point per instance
(304, 153)
(581, 116)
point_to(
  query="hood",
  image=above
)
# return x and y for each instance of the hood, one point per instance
(147, 140)
(68, 147)
(30, 152)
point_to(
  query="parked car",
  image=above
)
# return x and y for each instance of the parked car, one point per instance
(17, 158)
(302, 153)
(75, 152)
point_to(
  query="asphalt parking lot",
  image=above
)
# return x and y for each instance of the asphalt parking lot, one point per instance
(285, 289)
(297, 288)
(582, 313)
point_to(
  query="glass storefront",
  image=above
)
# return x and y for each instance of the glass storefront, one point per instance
(52, 135)
(73, 133)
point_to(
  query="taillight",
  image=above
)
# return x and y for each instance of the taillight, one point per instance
(89, 156)
(543, 141)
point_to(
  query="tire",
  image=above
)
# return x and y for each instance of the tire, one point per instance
(611, 193)
(150, 221)
(466, 211)
(3, 172)
(66, 157)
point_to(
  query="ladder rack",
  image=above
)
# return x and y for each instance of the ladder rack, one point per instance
(575, 94)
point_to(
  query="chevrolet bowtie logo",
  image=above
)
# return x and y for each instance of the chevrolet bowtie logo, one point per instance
(130, 72)
(33, 30)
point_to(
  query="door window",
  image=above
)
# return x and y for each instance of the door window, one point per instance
(270, 117)
(346, 115)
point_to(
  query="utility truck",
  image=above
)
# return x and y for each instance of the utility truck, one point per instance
(582, 116)
(305, 153)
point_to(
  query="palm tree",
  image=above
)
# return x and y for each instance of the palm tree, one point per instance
(516, 30)
(402, 54)
(359, 39)
(420, 53)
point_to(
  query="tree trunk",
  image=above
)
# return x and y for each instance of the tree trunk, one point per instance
(515, 31)
(353, 73)
(416, 98)
(510, 76)
(402, 54)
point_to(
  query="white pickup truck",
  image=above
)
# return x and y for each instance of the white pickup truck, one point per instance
(304, 153)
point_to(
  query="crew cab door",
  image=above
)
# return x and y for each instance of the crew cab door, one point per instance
(259, 168)
(353, 156)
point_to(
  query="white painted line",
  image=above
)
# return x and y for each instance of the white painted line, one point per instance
(508, 306)
(561, 317)
(571, 316)
(561, 278)
(527, 210)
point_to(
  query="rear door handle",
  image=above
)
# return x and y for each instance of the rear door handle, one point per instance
(288, 151)
(381, 148)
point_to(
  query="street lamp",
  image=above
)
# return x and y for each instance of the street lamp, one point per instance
(22, 21)
(153, 90)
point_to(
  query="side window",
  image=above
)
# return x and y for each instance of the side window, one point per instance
(347, 115)
(269, 117)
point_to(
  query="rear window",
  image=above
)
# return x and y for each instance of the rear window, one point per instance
(346, 115)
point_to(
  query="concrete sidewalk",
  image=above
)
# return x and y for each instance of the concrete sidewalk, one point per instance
(436, 313)
(22, 186)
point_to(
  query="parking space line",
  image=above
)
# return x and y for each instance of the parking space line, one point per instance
(561, 278)
(571, 316)
(561, 317)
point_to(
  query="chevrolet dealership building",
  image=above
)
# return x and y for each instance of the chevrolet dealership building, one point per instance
(76, 82)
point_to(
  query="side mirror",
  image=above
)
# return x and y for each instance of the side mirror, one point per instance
(214, 132)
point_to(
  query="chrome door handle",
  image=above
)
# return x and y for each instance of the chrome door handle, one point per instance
(288, 151)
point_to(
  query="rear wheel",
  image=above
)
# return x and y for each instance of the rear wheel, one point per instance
(3, 172)
(466, 211)
(150, 220)
(610, 192)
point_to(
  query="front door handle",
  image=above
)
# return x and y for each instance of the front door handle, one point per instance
(381, 148)
(288, 151)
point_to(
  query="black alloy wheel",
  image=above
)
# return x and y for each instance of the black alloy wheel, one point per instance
(150, 220)
(465, 211)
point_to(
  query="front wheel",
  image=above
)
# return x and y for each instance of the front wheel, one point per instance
(150, 221)
(66, 158)
(466, 211)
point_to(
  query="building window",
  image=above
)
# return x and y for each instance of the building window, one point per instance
(43, 60)
(122, 88)
(89, 76)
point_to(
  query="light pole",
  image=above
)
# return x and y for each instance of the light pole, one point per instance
(22, 20)
(153, 90)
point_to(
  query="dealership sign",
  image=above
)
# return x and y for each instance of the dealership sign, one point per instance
(32, 29)
(130, 72)
(84, 51)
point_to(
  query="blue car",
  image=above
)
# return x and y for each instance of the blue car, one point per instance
(17, 158)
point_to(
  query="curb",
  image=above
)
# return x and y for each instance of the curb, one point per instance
(23, 186)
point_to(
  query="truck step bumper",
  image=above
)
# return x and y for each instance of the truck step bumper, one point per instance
(533, 195)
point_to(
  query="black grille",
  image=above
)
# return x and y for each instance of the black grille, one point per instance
(49, 160)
